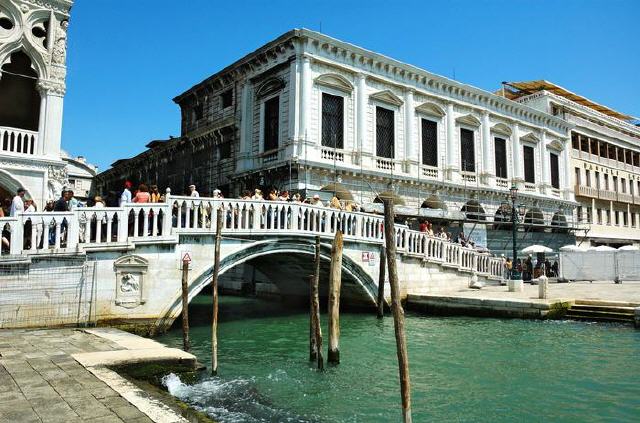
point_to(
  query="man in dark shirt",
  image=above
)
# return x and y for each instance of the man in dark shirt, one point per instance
(62, 205)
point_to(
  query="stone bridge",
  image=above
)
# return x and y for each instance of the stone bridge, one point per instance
(123, 265)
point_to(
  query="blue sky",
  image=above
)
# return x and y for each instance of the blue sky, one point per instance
(128, 58)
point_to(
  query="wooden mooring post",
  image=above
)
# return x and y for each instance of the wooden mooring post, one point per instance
(186, 345)
(383, 258)
(398, 312)
(335, 282)
(214, 291)
(315, 333)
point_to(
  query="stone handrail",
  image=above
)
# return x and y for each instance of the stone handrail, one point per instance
(21, 141)
(101, 227)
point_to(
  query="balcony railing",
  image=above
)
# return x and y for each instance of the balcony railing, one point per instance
(585, 191)
(469, 177)
(332, 154)
(625, 198)
(19, 141)
(502, 182)
(385, 164)
(607, 195)
(430, 172)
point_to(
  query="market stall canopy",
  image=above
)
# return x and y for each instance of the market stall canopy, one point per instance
(573, 248)
(536, 249)
(628, 248)
(601, 248)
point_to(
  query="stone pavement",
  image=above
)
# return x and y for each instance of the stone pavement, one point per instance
(598, 290)
(41, 382)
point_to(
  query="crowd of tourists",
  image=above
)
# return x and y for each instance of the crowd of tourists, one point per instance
(530, 268)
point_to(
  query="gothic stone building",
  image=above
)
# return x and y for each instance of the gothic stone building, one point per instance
(313, 114)
(33, 39)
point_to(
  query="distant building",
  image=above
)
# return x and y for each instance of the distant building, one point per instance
(605, 160)
(33, 47)
(80, 176)
(316, 115)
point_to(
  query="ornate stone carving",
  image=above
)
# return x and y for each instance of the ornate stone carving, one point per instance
(60, 45)
(57, 180)
(130, 272)
(51, 87)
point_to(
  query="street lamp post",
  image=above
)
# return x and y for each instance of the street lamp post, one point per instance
(513, 191)
(515, 282)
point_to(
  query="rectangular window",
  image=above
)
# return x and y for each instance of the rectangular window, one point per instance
(574, 141)
(555, 171)
(579, 214)
(589, 215)
(623, 185)
(500, 149)
(587, 178)
(584, 143)
(271, 123)
(429, 143)
(608, 214)
(529, 164)
(625, 219)
(332, 121)
(385, 133)
(614, 183)
(596, 176)
(467, 151)
(606, 182)
(630, 187)
(599, 214)
(615, 214)
(226, 98)
(578, 179)
(633, 220)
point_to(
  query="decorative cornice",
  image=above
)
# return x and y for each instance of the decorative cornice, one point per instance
(335, 81)
(388, 97)
(60, 6)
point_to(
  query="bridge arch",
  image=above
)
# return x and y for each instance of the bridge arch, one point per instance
(354, 276)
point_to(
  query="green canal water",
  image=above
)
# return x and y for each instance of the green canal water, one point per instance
(462, 369)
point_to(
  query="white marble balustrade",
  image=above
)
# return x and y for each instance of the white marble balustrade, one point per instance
(163, 222)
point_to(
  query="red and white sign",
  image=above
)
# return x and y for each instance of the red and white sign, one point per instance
(368, 256)
(186, 257)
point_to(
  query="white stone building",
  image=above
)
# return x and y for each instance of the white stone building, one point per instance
(33, 43)
(312, 114)
(605, 161)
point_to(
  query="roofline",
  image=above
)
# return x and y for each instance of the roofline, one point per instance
(306, 33)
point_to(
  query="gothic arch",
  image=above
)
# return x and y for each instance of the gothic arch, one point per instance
(19, 96)
(9, 183)
(534, 216)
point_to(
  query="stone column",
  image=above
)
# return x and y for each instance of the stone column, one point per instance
(566, 163)
(294, 88)
(409, 147)
(516, 153)
(244, 156)
(361, 107)
(545, 183)
(51, 135)
(42, 122)
(452, 168)
(305, 97)
(487, 168)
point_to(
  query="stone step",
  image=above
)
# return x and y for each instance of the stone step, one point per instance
(607, 316)
(607, 303)
(603, 308)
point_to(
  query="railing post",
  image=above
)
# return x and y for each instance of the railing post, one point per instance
(15, 248)
(73, 231)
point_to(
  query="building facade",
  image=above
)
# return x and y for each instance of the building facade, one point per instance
(312, 114)
(605, 161)
(80, 174)
(33, 40)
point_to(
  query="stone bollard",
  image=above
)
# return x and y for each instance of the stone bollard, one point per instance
(515, 285)
(543, 287)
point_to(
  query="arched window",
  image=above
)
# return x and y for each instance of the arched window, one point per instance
(474, 211)
(19, 98)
